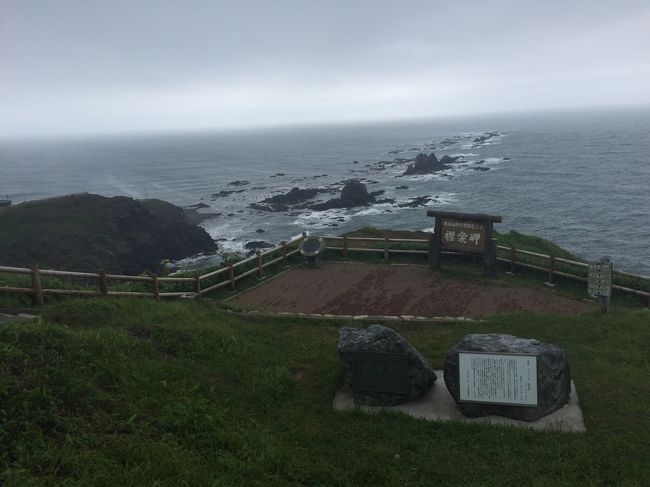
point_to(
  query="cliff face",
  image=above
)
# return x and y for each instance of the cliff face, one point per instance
(89, 232)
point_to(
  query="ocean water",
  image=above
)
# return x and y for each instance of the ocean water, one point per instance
(579, 178)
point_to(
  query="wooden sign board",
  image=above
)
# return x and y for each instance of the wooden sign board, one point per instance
(463, 236)
(463, 232)
(380, 372)
(599, 278)
(498, 378)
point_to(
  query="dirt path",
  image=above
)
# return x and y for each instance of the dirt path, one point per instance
(370, 289)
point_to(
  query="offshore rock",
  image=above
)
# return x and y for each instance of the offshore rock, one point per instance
(353, 194)
(377, 338)
(553, 375)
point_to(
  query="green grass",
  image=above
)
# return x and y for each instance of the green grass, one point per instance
(132, 392)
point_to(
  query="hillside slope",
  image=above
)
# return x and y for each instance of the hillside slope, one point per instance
(87, 232)
(133, 392)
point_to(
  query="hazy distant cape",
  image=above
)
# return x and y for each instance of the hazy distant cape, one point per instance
(87, 232)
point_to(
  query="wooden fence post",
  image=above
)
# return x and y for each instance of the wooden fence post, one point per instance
(434, 252)
(156, 287)
(513, 258)
(385, 248)
(39, 300)
(345, 246)
(260, 270)
(231, 275)
(551, 268)
(284, 251)
(197, 286)
(103, 283)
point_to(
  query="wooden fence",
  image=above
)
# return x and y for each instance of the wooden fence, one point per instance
(552, 267)
(230, 275)
(382, 245)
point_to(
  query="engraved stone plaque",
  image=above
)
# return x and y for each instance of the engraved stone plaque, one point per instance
(380, 372)
(498, 378)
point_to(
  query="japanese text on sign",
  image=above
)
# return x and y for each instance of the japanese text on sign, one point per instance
(599, 278)
(463, 235)
(498, 378)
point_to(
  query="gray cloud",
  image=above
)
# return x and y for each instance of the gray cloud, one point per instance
(77, 66)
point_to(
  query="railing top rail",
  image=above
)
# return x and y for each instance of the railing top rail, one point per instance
(16, 270)
(52, 272)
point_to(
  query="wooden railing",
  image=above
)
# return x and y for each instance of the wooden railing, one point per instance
(551, 270)
(514, 254)
(102, 279)
(228, 276)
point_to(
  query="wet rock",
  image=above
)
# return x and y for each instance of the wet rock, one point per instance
(481, 168)
(198, 206)
(446, 160)
(292, 197)
(353, 194)
(402, 187)
(377, 338)
(223, 193)
(238, 183)
(553, 375)
(257, 244)
(416, 202)
(270, 208)
(424, 164)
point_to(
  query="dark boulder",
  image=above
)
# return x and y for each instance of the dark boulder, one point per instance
(424, 164)
(270, 208)
(446, 160)
(416, 202)
(353, 194)
(257, 244)
(377, 338)
(553, 375)
(294, 196)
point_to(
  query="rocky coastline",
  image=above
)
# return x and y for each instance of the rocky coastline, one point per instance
(89, 232)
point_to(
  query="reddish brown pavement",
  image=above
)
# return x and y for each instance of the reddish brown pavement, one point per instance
(393, 290)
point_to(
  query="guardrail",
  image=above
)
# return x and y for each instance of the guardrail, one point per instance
(513, 259)
(229, 275)
(102, 279)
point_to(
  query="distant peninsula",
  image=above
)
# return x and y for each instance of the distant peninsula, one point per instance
(88, 232)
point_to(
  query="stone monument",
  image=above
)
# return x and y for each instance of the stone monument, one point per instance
(503, 375)
(381, 367)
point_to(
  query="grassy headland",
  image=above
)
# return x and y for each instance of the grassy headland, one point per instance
(133, 392)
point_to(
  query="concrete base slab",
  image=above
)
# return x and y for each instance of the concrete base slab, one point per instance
(438, 405)
(9, 318)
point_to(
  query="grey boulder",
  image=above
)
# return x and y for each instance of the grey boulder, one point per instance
(553, 375)
(377, 338)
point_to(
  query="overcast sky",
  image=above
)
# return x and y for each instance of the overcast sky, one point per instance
(69, 66)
